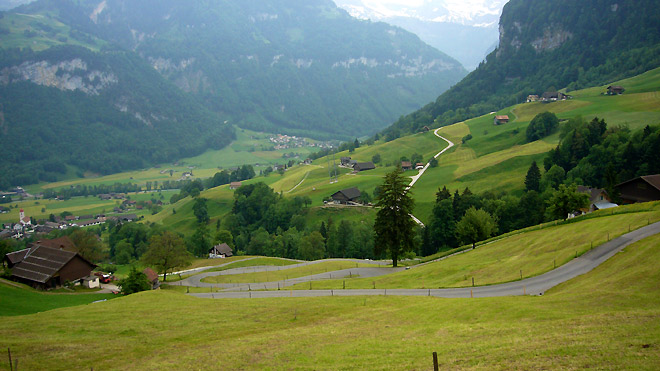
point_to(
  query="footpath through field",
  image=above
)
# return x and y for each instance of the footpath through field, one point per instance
(529, 286)
(428, 164)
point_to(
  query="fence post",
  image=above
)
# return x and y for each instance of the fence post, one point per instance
(11, 365)
(472, 281)
(521, 274)
(344, 286)
(374, 285)
(435, 361)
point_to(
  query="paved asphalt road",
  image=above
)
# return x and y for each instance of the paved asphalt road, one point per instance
(530, 286)
(195, 281)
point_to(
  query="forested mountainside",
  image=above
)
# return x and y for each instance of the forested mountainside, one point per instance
(304, 67)
(550, 45)
(101, 112)
(115, 85)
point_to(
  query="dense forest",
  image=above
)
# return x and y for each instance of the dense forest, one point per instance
(545, 46)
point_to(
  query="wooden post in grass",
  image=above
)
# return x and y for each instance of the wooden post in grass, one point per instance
(554, 262)
(435, 361)
(344, 286)
(472, 281)
(471, 295)
(11, 365)
(374, 285)
(521, 274)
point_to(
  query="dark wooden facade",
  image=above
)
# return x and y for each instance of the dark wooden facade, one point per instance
(642, 189)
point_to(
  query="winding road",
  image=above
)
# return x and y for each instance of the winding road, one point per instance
(529, 286)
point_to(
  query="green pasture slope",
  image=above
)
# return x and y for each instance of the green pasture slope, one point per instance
(20, 300)
(606, 318)
(533, 252)
(497, 157)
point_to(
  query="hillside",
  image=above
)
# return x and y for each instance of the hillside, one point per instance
(546, 46)
(603, 318)
(306, 68)
(106, 112)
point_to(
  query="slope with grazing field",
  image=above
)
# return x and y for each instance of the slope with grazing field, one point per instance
(516, 256)
(606, 318)
(19, 300)
(497, 157)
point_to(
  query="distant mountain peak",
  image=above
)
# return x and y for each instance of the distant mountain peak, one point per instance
(475, 13)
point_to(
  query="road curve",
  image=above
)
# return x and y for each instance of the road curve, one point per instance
(529, 286)
(196, 280)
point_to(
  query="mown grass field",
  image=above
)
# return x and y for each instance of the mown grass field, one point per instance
(287, 273)
(534, 252)
(22, 301)
(606, 319)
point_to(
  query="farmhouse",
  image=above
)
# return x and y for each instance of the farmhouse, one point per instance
(45, 267)
(532, 98)
(598, 199)
(346, 195)
(615, 90)
(345, 161)
(364, 166)
(499, 120)
(419, 166)
(220, 251)
(235, 185)
(552, 96)
(643, 189)
(406, 165)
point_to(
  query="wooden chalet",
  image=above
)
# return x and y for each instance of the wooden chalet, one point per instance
(345, 161)
(615, 90)
(346, 195)
(406, 165)
(364, 166)
(642, 189)
(533, 98)
(553, 96)
(501, 119)
(235, 185)
(45, 267)
(221, 251)
(152, 276)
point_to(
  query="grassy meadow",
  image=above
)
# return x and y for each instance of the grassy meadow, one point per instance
(19, 300)
(534, 252)
(604, 319)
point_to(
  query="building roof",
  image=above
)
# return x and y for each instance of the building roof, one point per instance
(652, 180)
(501, 117)
(222, 248)
(41, 263)
(406, 164)
(602, 205)
(235, 184)
(151, 275)
(350, 193)
(593, 193)
(62, 243)
(360, 166)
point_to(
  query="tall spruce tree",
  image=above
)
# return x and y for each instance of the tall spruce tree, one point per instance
(533, 178)
(394, 227)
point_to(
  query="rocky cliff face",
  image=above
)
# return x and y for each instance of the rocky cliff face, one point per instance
(68, 75)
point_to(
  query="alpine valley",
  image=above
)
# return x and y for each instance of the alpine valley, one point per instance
(115, 85)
